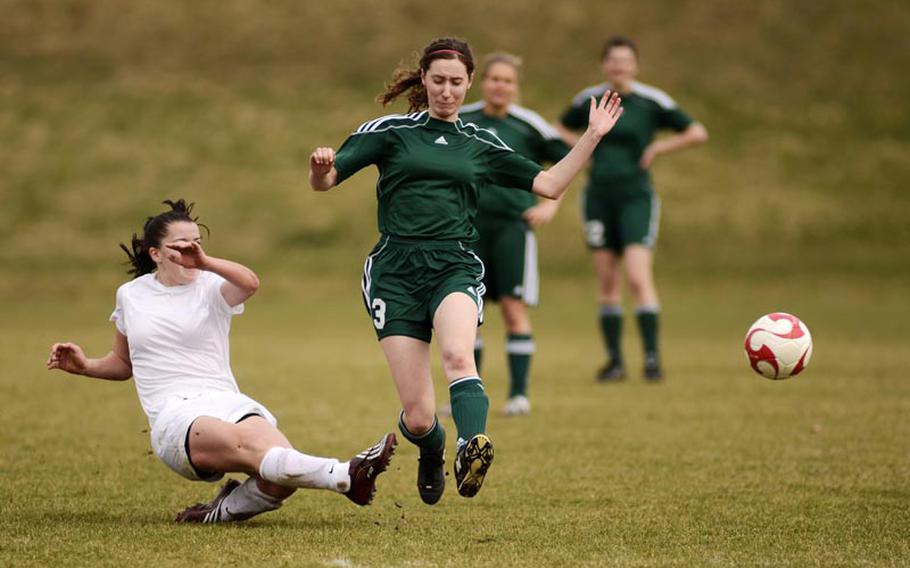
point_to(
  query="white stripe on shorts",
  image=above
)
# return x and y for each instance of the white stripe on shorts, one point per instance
(530, 284)
(654, 225)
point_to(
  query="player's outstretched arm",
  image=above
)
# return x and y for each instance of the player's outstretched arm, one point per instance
(322, 169)
(552, 183)
(241, 281)
(693, 135)
(115, 366)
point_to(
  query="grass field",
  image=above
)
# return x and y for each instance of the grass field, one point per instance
(798, 203)
(715, 467)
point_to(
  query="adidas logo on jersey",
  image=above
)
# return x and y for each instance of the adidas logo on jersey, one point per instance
(441, 140)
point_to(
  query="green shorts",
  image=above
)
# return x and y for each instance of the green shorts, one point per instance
(508, 249)
(405, 280)
(617, 217)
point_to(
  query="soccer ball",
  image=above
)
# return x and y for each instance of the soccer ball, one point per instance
(778, 346)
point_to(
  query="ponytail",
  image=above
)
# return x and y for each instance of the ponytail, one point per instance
(407, 80)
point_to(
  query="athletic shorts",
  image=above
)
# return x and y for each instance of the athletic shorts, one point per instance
(617, 217)
(405, 280)
(508, 249)
(172, 426)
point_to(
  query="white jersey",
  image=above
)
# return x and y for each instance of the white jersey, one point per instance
(178, 338)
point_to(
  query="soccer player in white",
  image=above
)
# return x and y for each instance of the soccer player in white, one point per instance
(172, 324)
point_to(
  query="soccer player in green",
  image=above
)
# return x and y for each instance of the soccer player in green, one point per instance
(620, 209)
(422, 276)
(506, 218)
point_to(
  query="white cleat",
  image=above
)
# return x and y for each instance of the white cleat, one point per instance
(517, 406)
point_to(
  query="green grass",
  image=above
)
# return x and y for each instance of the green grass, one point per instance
(798, 203)
(716, 466)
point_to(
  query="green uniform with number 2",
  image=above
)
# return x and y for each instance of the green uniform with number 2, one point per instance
(430, 174)
(619, 205)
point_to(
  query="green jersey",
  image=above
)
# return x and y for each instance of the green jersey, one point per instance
(527, 133)
(645, 111)
(430, 172)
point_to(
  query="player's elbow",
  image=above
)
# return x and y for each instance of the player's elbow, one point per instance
(546, 186)
(253, 284)
(698, 133)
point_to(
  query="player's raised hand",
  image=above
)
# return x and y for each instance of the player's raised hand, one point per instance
(604, 114)
(188, 254)
(322, 160)
(67, 357)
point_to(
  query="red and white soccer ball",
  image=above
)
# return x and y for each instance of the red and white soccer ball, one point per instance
(779, 346)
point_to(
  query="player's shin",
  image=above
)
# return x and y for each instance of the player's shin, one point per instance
(648, 324)
(290, 468)
(611, 328)
(469, 407)
(247, 501)
(520, 348)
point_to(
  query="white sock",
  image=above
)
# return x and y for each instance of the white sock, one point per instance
(247, 501)
(290, 468)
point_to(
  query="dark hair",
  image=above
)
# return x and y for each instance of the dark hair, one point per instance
(618, 41)
(500, 57)
(152, 232)
(407, 80)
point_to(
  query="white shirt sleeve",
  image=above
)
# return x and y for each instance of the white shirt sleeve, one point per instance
(216, 298)
(117, 315)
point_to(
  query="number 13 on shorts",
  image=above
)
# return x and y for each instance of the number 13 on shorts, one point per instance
(378, 311)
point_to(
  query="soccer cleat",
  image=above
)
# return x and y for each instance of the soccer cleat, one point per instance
(517, 406)
(209, 512)
(431, 475)
(471, 464)
(653, 371)
(611, 372)
(366, 466)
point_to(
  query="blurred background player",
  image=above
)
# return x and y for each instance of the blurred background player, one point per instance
(422, 277)
(620, 209)
(506, 218)
(172, 323)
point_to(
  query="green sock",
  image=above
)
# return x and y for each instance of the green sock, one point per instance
(478, 352)
(432, 439)
(611, 327)
(469, 407)
(519, 348)
(648, 325)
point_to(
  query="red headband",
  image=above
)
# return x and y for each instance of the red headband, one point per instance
(456, 52)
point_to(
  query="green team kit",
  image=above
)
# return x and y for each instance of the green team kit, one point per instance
(430, 175)
(507, 245)
(619, 205)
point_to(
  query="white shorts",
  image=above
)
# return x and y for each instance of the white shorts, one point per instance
(172, 426)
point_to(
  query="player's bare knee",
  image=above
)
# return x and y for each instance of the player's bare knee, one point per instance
(457, 361)
(419, 418)
(609, 299)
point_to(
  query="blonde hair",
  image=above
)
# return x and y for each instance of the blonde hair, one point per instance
(500, 57)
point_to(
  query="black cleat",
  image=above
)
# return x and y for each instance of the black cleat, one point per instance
(209, 512)
(471, 464)
(653, 371)
(431, 475)
(611, 373)
(366, 466)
